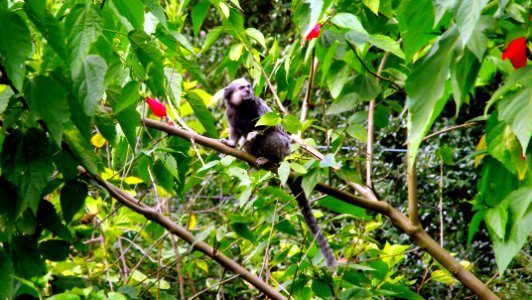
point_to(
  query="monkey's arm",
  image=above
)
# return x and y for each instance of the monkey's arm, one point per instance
(233, 137)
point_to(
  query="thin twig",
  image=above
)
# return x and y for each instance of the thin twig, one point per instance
(447, 129)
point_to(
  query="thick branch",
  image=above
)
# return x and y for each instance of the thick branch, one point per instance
(398, 219)
(181, 232)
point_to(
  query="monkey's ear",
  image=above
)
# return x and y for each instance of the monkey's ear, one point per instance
(228, 91)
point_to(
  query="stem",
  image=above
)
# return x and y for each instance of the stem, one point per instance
(413, 206)
(306, 102)
(181, 232)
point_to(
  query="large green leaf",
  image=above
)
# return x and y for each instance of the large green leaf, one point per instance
(467, 16)
(83, 25)
(128, 96)
(89, 82)
(463, 76)
(518, 227)
(48, 101)
(516, 110)
(49, 219)
(26, 162)
(387, 44)
(198, 14)
(131, 13)
(7, 271)
(55, 250)
(495, 183)
(426, 87)
(203, 114)
(47, 25)
(82, 150)
(156, 9)
(129, 120)
(15, 46)
(416, 18)
(151, 59)
(72, 198)
(26, 257)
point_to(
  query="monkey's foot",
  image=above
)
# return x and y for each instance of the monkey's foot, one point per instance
(227, 143)
(261, 162)
(251, 136)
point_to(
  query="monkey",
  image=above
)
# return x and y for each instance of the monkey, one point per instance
(270, 144)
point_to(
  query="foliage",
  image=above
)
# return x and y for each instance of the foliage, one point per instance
(74, 76)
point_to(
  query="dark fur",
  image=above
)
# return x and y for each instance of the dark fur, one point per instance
(271, 143)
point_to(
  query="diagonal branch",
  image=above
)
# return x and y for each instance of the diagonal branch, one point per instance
(186, 235)
(398, 219)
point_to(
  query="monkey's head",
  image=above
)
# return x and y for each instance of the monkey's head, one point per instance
(238, 91)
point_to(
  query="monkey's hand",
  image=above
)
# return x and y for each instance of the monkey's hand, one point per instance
(229, 143)
(262, 161)
(252, 136)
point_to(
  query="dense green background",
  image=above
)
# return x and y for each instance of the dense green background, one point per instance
(74, 76)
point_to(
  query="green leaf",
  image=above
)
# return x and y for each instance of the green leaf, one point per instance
(83, 25)
(89, 83)
(348, 174)
(242, 230)
(415, 20)
(516, 110)
(367, 86)
(269, 119)
(151, 59)
(342, 207)
(26, 162)
(495, 182)
(211, 37)
(387, 44)
(355, 293)
(518, 227)
(48, 102)
(47, 25)
(26, 258)
(131, 12)
(349, 21)
(129, 96)
(342, 104)
(298, 168)
(15, 46)
(358, 132)
(292, 124)
(321, 289)
(129, 120)
(337, 77)
(467, 16)
(496, 218)
(425, 87)
(82, 149)
(198, 14)
(474, 224)
(463, 76)
(106, 126)
(284, 172)
(257, 36)
(310, 181)
(236, 52)
(202, 113)
(156, 9)
(328, 161)
(55, 250)
(49, 219)
(174, 79)
(72, 198)
(7, 273)
(286, 227)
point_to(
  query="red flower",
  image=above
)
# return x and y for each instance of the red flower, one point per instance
(157, 108)
(314, 33)
(516, 52)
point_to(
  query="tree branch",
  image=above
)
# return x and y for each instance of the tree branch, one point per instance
(181, 232)
(398, 219)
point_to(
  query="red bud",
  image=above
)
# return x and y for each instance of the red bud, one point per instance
(156, 107)
(516, 52)
(314, 33)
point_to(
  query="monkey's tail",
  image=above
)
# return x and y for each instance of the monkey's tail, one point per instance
(312, 223)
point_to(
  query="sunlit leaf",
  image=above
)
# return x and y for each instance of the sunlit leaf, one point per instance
(14, 48)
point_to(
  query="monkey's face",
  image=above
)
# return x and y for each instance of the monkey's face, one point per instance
(237, 91)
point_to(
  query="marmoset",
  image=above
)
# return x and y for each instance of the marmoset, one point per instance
(269, 144)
